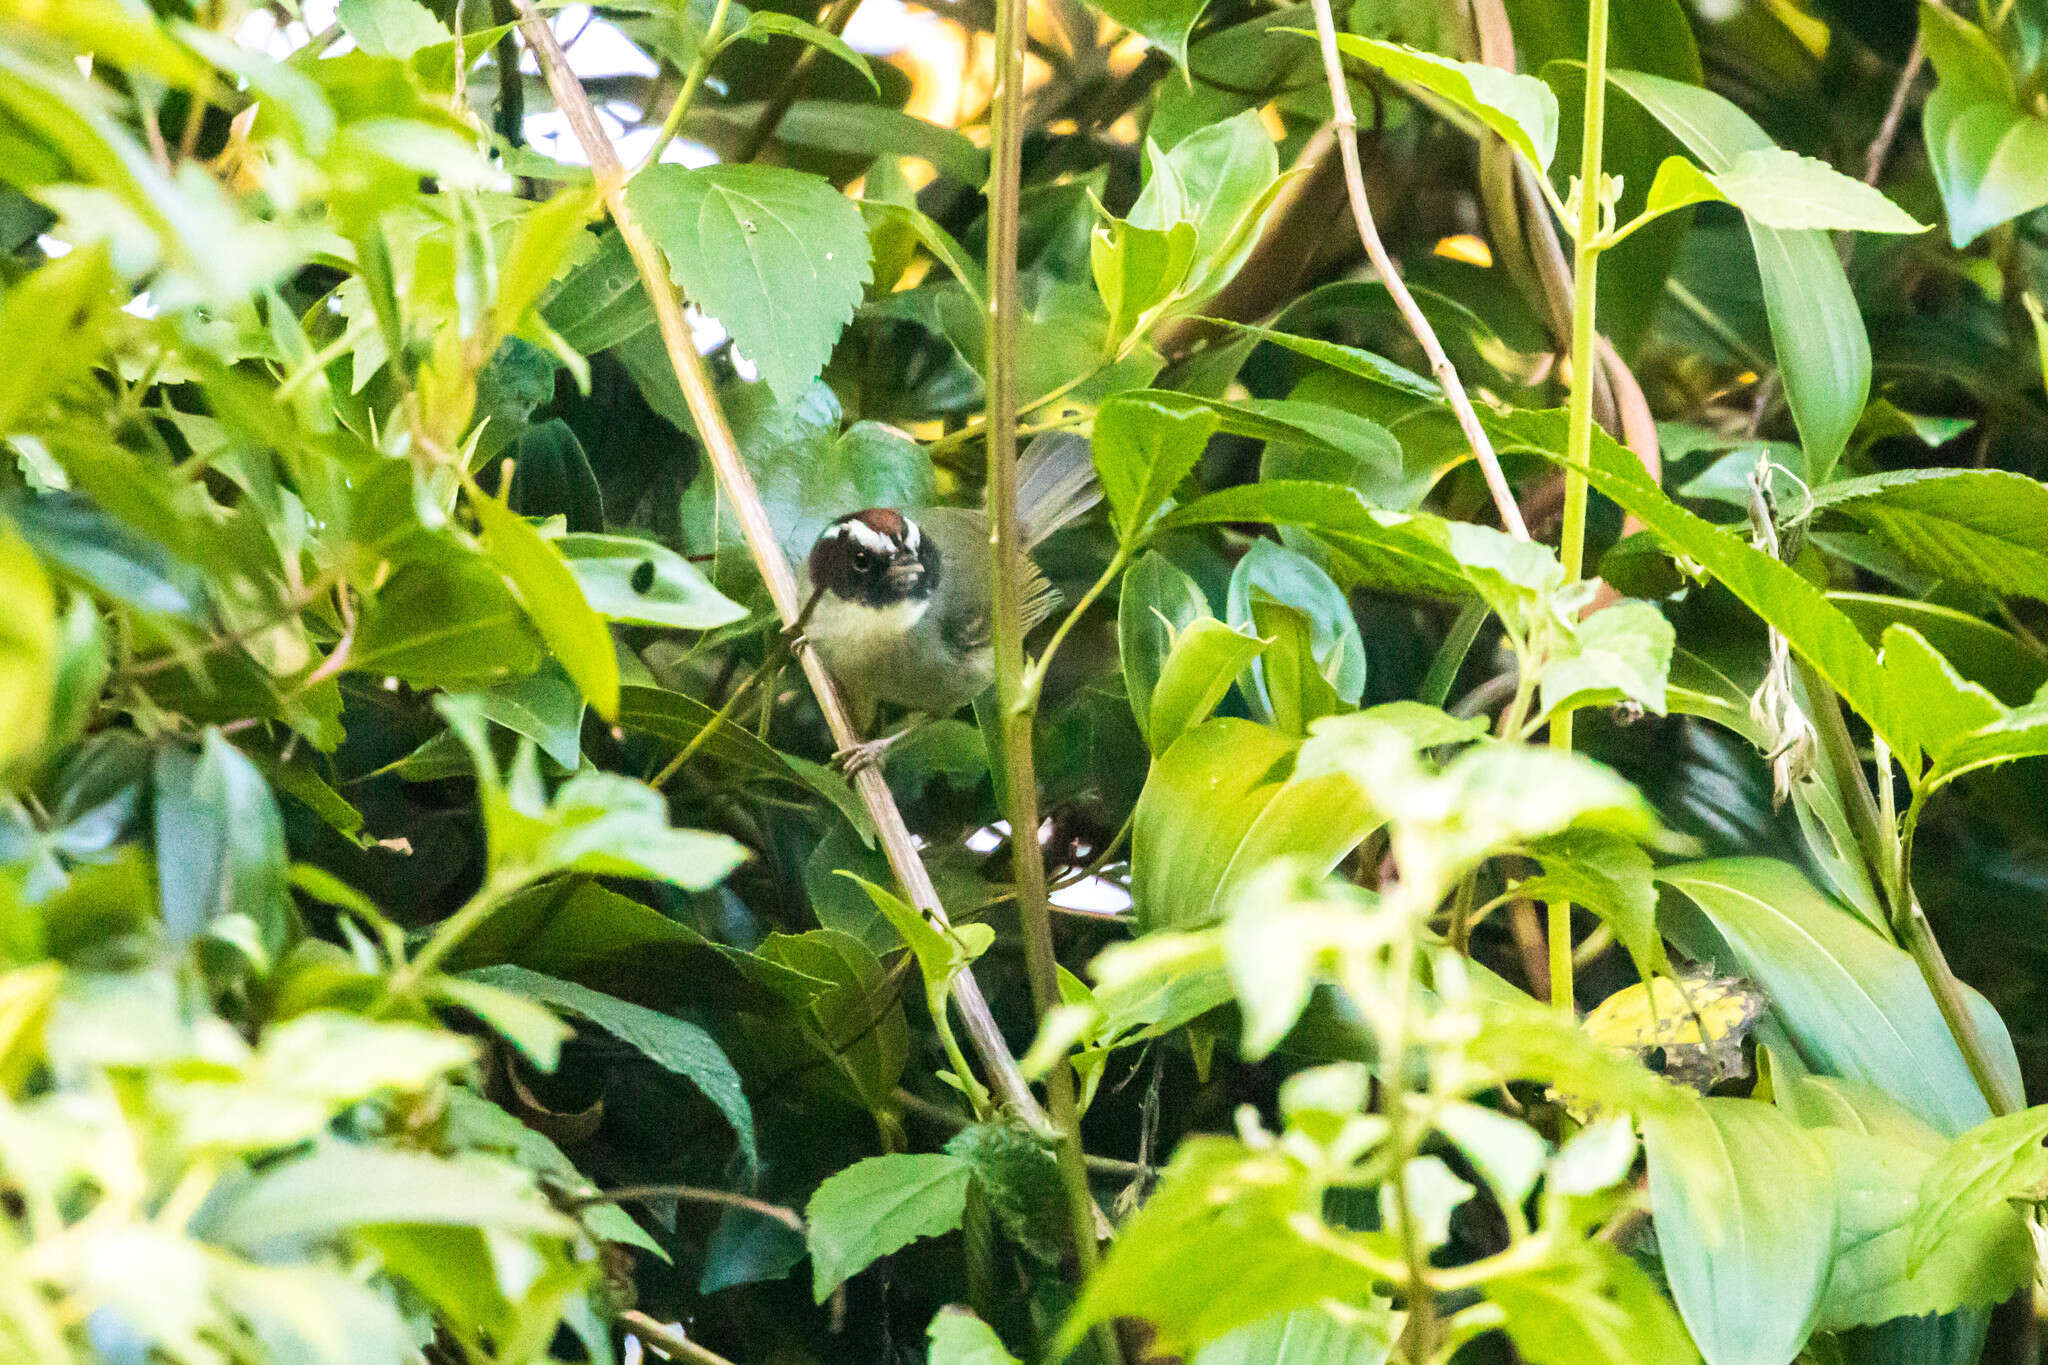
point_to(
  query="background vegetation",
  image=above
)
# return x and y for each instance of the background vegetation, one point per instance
(430, 924)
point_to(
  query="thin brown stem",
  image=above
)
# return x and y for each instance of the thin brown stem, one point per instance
(691, 1194)
(1346, 122)
(669, 1341)
(1894, 115)
(737, 484)
(784, 99)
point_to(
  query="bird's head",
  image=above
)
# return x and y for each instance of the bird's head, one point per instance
(876, 558)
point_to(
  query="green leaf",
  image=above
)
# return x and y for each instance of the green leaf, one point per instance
(1143, 449)
(777, 256)
(1624, 650)
(28, 650)
(1989, 152)
(1981, 651)
(1943, 703)
(1823, 350)
(1165, 24)
(340, 1186)
(54, 323)
(1814, 628)
(2023, 733)
(1508, 1154)
(547, 238)
(1520, 109)
(1297, 690)
(553, 598)
(1138, 271)
(677, 719)
(1591, 1305)
(675, 1045)
(1203, 662)
(1395, 551)
(857, 1021)
(1328, 1333)
(1224, 179)
(642, 583)
(761, 25)
(446, 622)
(1781, 189)
(1157, 604)
(867, 130)
(1745, 1211)
(960, 1338)
(1220, 1245)
(1983, 527)
(1221, 803)
(880, 1205)
(1609, 876)
(545, 707)
(1999, 1160)
(530, 1027)
(1288, 929)
(1335, 649)
(220, 843)
(1880, 1155)
(391, 28)
(1852, 1004)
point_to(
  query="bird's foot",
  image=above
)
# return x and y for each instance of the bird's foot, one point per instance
(869, 754)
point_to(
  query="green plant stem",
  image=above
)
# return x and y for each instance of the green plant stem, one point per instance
(1420, 1332)
(1016, 696)
(1579, 425)
(700, 67)
(446, 938)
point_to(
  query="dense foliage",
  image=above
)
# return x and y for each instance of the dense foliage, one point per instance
(432, 926)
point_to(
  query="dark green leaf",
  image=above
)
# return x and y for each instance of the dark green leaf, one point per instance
(880, 1205)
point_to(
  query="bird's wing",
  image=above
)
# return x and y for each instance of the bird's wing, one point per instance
(1055, 483)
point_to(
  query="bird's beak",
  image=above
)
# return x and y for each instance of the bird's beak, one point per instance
(906, 571)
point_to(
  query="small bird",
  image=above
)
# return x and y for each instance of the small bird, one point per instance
(901, 610)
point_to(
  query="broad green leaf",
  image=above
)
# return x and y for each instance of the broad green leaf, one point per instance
(858, 1022)
(879, 1205)
(959, 1338)
(82, 543)
(554, 600)
(1999, 1160)
(1017, 1172)
(1880, 1154)
(340, 1186)
(1520, 109)
(546, 239)
(1944, 704)
(1590, 1306)
(764, 24)
(600, 302)
(1298, 691)
(1336, 649)
(1328, 1333)
(1204, 661)
(1988, 150)
(1224, 1242)
(1624, 651)
(1798, 610)
(1745, 1211)
(531, 1027)
(1525, 1041)
(447, 622)
(942, 244)
(1223, 179)
(1287, 930)
(1823, 350)
(677, 719)
(2023, 733)
(1433, 1192)
(54, 323)
(1983, 527)
(596, 822)
(1138, 271)
(219, 841)
(391, 28)
(28, 651)
(1852, 1004)
(1982, 652)
(640, 582)
(1781, 189)
(1158, 602)
(1143, 449)
(1508, 1154)
(777, 256)
(1221, 803)
(675, 1045)
(545, 707)
(1165, 24)
(1609, 876)
(1395, 551)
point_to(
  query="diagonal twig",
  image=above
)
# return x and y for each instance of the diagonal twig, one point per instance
(1346, 122)
(737, 484)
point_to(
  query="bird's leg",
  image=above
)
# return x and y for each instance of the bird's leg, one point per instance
(793, 634)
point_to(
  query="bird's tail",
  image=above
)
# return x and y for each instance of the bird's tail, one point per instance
(1055, 484)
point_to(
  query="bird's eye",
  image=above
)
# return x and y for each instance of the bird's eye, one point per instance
(863, 560)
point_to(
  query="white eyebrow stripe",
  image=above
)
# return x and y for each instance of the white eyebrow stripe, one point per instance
(867, 536)
(913, 538)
